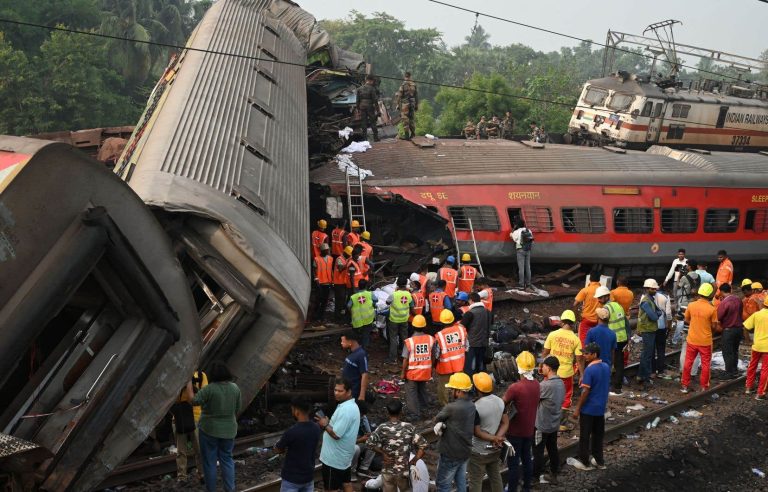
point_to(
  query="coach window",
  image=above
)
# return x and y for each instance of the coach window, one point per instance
(721, 220)
(679, 220)
(657, 110)
(647, 108)
(595, 96)
(538, 219)
(756, 220)
(620, 102)
(680, 110)
(483, 218)
(585, 220)
(675, 131)
(632, 220)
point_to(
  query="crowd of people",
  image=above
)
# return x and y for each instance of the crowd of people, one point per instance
(438, 328)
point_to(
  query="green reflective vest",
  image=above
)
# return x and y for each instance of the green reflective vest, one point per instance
(400, 307)
(644, 324)
(617, 322)
(363, 311)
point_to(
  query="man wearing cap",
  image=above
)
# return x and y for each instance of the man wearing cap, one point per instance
(323, 266)
(758, 322)
(417, 368)
(477, 321)
(701, 317)
(455, 424)
(491, 425)
(467, 275)
(603, 335)
(461, 305)
(365, 243)
(729, 313)
(340, 279)
(524, 397)
(451, 346)
(548, 415)
(587, 297)
(590, 410)
(319, 236)
(647, 323)
(400, 303)
(619, 325)
(566, 346)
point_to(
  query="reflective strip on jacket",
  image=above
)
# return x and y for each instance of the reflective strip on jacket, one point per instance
(400, 307)
(467, 276)
(337, 241)
(436, 304)
(318, 238)
(450, 276)
(617, 321)
(324, 269)
(418, 305)
(419, 357)
(340, 273)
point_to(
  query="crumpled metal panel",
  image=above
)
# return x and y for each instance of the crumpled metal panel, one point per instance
(225, 136)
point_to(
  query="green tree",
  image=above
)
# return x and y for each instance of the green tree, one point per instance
(14, 84)
(489, 95)
(425, 118)
(478, 38)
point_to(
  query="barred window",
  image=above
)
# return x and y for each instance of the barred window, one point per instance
(675, 131)
(538, 219)
(756, 220)
(586, 220)
(632, 220)
(721, 220)
(679, 220)
(483, 218)
(680, 110)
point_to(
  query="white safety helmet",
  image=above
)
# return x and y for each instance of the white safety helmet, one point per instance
(602, 291)
(650, 284)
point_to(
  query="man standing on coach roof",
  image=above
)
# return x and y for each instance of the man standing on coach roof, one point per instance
(339, 436)
(368, 108)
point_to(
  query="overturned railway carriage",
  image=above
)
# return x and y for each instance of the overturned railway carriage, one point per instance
(97, 325)
(584, 204)
(632, 112)
(221, 156)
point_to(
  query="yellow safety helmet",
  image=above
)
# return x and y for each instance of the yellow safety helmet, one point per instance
(355, 224)
(757, 286)
(526, 361)
(366, 235)
(483, 382)
(348, 250)
(446, 317)
(706, 290)
(322, 224)
(459, 381)
(745, 282)
(465, 257)
(568, 315)
(419, 321)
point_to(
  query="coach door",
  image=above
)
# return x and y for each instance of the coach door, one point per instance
(654, 122)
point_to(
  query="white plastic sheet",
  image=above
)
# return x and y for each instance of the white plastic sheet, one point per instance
(345, 164)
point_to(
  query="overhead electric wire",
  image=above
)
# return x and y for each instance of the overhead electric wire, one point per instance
(386, 77)
(576, 38)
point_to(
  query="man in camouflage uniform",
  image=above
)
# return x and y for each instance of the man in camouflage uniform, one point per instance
(482, 128)
(469, 130)
(368, 108)
(535, 132)
(407, 98)
(494, 127)
(393, 440)
(508, 126)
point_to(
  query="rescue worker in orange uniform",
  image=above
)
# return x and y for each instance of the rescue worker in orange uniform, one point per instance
(451, 346)
(357, 265)
(319, 237)
(752, 302)
(450, 275)
(724, 273)
(419, 301)
(467, 275)
(353, 236)
(438, 300)
(338, 239)
(365, 242)
(323, 266)
(418, 353)
(340, 281)
(366, 254)
(587, 296)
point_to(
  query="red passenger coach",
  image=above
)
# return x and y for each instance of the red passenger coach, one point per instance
(594, 205)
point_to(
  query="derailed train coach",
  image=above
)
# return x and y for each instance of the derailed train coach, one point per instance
(97, 325)
(220, 155)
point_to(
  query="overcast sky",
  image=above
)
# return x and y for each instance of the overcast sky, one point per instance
(734, 26)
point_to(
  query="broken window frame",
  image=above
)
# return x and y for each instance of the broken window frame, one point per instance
(721, 220)
(583, 220)
(756, 220)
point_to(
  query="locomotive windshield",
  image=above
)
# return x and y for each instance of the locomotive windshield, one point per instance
(595, 96)
(620, 102)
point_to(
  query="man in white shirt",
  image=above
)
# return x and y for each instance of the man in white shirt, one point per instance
(676, 270)
(523, 239)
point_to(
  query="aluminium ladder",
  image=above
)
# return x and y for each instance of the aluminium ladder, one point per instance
(355, 201)
(457, 242)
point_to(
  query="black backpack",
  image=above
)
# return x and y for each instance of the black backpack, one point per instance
(526, 239)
